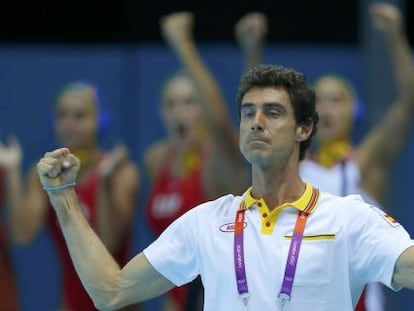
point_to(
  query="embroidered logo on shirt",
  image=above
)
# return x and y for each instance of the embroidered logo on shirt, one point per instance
(229, 227)
(389, 219)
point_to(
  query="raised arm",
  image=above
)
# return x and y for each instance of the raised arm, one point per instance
(224, 169)
(109, 286)
(26, 201)
(117, 197)
(383, 144)
(250, 32)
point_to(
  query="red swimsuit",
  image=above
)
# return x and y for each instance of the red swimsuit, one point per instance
(171, 197)
(8, 291)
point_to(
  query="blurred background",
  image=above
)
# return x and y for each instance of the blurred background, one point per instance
(117, 44)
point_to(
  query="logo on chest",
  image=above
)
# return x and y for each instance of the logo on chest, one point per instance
(229, 227)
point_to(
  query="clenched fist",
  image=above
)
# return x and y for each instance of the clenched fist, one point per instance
(177, 27)
(251, 29)
(386, 17)
(58, 168)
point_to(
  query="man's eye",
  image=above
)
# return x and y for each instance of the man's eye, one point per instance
(274, 113)
(247, 113)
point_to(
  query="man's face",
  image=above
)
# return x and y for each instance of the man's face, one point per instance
(335, 109)
(181, 110)
(268, 130)
(76, 120)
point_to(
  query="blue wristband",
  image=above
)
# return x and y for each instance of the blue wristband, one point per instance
(60, 187)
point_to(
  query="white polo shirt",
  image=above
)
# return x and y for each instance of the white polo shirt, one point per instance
(343, 179)
(346, 244)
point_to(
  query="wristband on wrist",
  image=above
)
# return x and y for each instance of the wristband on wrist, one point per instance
(60, 187)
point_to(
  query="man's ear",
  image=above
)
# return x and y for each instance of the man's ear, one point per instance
(303, 132)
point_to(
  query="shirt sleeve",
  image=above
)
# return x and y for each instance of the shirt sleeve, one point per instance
(175, 253)
(376, 242)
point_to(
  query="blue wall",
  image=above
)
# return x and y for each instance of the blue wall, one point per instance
(131, 78)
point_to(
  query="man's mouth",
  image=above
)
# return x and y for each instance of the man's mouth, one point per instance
(258, 139)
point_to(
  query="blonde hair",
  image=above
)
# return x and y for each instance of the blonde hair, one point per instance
(346, 86)
(88, 90)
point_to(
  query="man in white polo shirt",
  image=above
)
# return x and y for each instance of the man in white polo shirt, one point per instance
(283, 244)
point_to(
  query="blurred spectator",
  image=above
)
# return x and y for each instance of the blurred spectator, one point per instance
(335, 164)
(8, 289)
(200, 159)
(107, 187)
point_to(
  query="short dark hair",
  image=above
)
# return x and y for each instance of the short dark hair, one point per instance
(302, 95)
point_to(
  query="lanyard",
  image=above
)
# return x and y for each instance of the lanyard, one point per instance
(239, 265)
(292, 259)
(291, 263)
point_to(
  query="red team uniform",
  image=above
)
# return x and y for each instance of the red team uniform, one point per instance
(171, 197)
(8, 289)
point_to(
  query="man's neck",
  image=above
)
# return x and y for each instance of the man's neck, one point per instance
(276, 186)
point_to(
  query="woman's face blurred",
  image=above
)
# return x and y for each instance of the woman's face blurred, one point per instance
(181, 111)
(76, 120)
(334, 104)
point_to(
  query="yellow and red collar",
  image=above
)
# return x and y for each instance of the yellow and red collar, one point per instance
(306, 203)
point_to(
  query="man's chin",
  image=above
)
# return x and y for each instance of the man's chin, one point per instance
(255, 156)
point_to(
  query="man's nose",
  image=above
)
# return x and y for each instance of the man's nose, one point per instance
(258, 123)
(257, 127)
